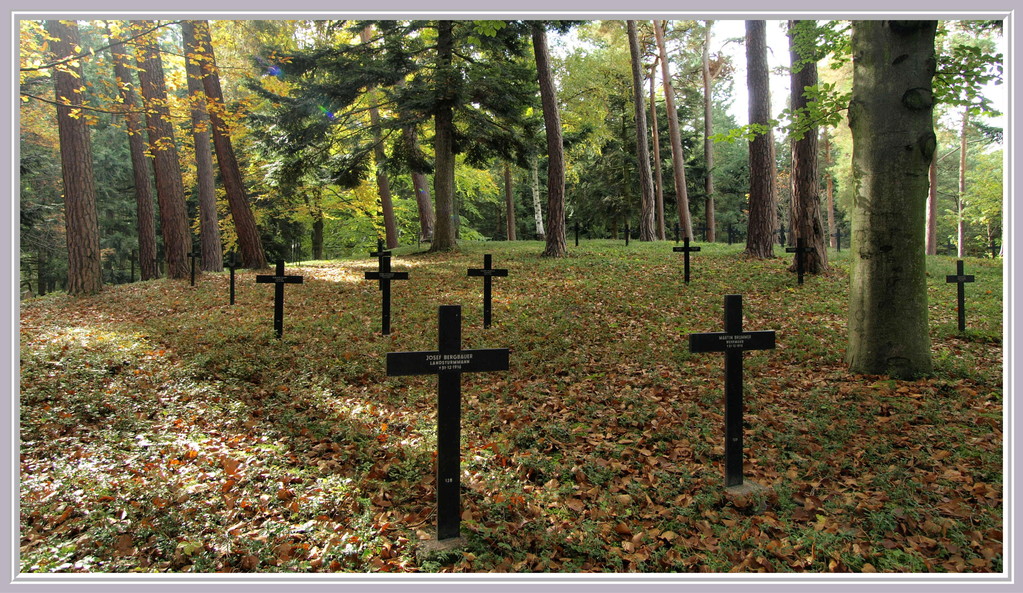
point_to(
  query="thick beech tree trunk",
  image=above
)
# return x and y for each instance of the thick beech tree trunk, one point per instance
(249, 242)
(891, 117)
(555, 231)
(760, 233)
(443, 142)
(209, 225)
(657, 172)
(646, 208)
(170, 193)
(509, 203)
(81, 222)
(140, 164)
(708, 131)
(806, 199)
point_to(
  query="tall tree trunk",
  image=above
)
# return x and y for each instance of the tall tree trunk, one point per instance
(81, 222)
(829, 189)
(383, 186)
(444, 175)
(534, 186)
(708, 131)
(646, 183)
(806, 199)
(555, 235)
(209, 224)
(419, 184)
(760, 233)
(317, 236)
(249, 242)
(678, 161)
(932, 206)
(657, 172)
(170, 193)
(140, 164)
(509, 203)
(961, 197)
(891, 117)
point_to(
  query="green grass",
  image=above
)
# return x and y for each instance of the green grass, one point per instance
(165, 430)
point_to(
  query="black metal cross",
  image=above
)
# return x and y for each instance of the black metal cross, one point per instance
(448, 363)
(488, 273)
(960, 278)
(838, 238)
(385, 275)
(192, 255)
(279, 280)
(380, 252)
(781, 234)
(686, 249)
(627, 233)
(577, 233)
(800, 250)
(733, 342)
(703, 229)
(731, 234)
(232, 263)
(676, 232)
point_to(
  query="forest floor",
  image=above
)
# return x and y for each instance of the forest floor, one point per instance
(162, 429)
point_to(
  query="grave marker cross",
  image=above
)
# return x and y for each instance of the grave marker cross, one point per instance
(960, 279)
(232, 263)
(379, 254)
(192, 255)
(838, 238)
(488, 273)
(676, 232)
(385, 275)
(800, 250)
(448, 363)
(279, 280)
(733, 342)
(627, 233)
(686, 249)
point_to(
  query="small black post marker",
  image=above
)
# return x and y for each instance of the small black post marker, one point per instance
(686, 249)
(577, 233)
(781, 234)
(676, 232)
(232, 263)
(800, 250)
(192, 255)
(733, 342)
(731, 234)
(627, 233)
(279, 280)
(448, 363)
(838, 238)
(488, 273)
(960, 278)
(385, 275)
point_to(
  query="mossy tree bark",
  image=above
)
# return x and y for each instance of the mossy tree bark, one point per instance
(891, 117)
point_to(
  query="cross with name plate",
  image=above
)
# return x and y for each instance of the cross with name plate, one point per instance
(733, 342)
(448, 363)
(385, 275)
(488, 273)
(279, 280)
(686, 249)
(960, 278)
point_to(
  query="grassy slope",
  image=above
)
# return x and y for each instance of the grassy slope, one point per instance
(163, 429)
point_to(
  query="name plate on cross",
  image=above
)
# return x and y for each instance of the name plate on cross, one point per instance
(733, 342)
(448, 362)
(279, 279)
